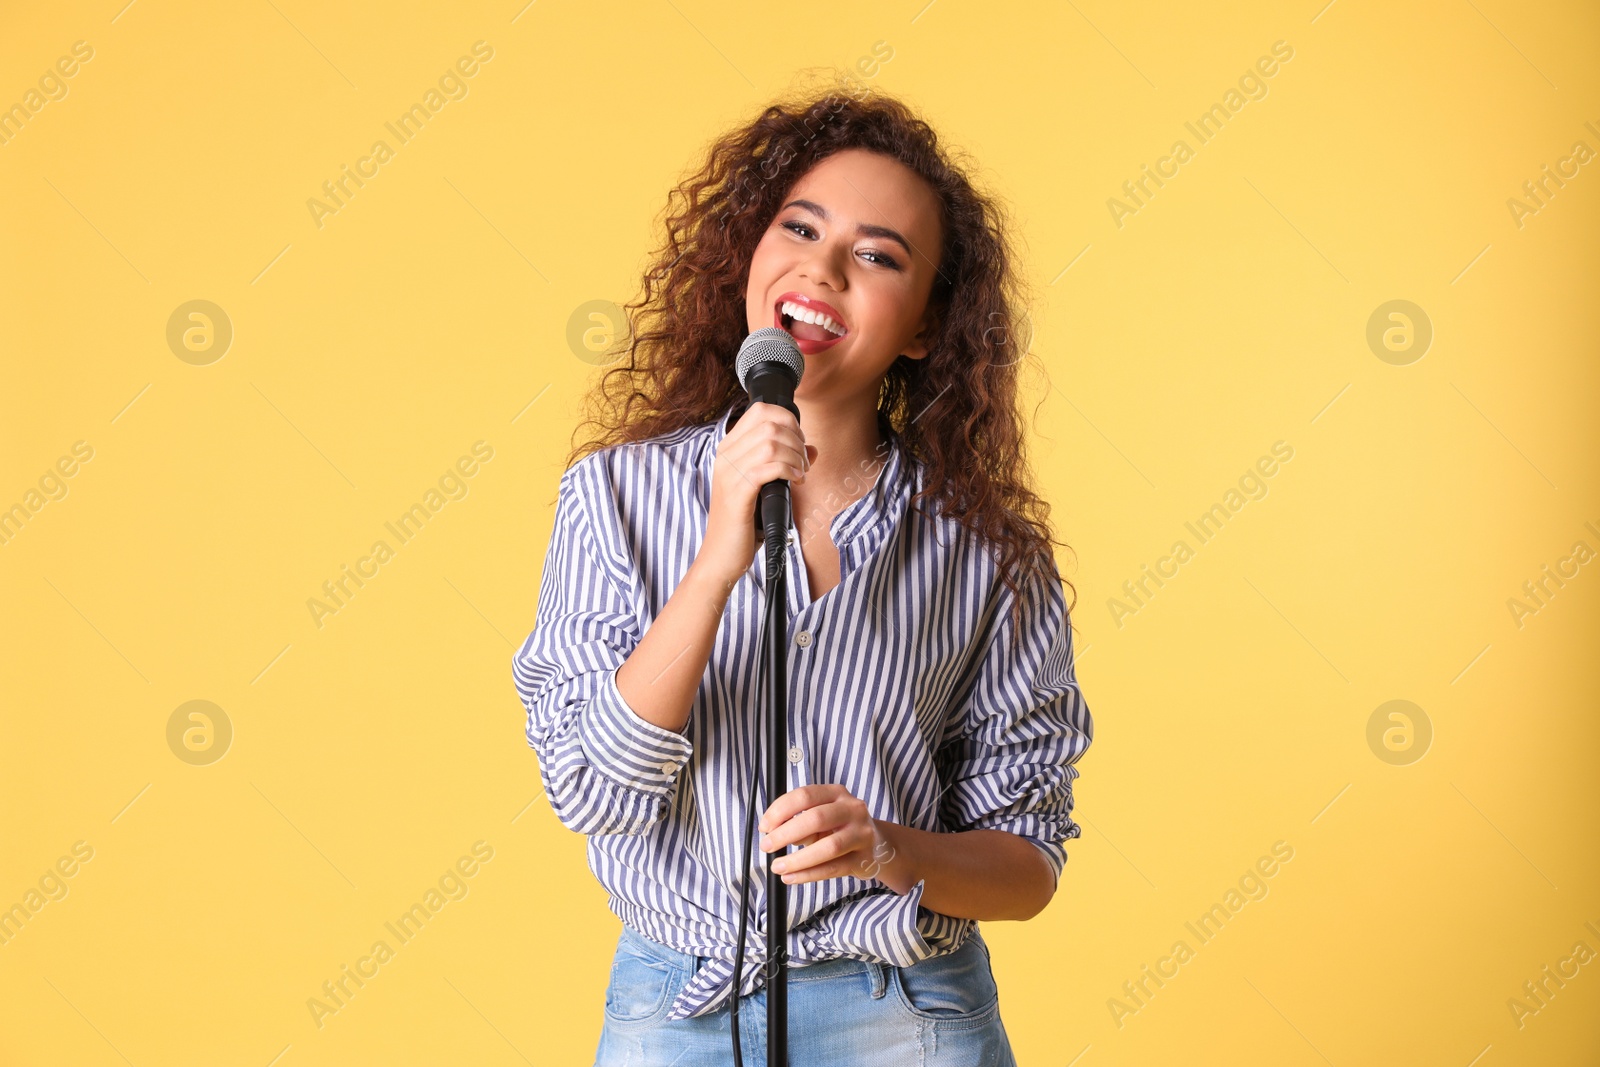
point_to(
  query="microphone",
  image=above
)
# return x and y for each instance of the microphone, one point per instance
(769, 367)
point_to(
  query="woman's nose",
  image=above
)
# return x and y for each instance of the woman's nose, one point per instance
(825, 266)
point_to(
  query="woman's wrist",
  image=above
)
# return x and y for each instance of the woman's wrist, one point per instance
(893, 862)
(711, 581)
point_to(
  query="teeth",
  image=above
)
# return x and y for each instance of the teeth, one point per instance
(816, 318)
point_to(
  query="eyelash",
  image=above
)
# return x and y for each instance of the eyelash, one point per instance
(887, 261)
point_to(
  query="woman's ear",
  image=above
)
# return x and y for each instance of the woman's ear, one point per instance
(917, 347)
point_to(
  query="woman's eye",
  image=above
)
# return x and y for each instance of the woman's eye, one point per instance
(802, 230)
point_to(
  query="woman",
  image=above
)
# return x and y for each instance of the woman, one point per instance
(934, 713)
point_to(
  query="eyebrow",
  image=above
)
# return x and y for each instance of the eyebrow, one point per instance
(865, 229)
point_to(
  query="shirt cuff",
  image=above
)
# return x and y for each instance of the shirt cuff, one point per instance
(1054, 854)
(626, 749)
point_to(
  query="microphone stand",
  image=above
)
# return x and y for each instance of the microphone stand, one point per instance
(769, 366)
(774, 659)
(773, 385)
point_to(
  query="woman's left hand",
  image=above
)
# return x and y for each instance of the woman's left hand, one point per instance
(839, 837)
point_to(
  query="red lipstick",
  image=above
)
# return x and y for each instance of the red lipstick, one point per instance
(809, 345)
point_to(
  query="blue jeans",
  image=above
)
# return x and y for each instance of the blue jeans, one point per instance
(942, 1011)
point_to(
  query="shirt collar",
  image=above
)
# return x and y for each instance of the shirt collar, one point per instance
(866, 514)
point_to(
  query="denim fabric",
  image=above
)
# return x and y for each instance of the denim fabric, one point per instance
(942, 1012)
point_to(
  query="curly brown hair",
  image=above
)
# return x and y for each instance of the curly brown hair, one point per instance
(954, 411)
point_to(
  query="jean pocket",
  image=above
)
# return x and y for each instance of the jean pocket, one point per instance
(956, 989)
(639, 987)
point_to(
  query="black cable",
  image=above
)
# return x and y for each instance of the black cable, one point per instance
(744, 889)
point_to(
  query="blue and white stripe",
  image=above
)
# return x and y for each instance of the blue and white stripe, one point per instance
(906, 686)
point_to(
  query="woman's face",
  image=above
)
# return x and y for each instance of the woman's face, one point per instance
(854, 235)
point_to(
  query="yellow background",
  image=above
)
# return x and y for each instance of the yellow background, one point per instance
(1228, 313)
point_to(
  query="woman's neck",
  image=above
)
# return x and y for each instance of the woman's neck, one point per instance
(850, 453)
(848, 441)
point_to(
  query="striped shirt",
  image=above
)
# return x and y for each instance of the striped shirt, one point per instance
(906, 686)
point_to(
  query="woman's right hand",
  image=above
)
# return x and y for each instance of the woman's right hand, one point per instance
(764, 445)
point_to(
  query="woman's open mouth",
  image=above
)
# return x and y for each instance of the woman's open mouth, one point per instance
(815, 326)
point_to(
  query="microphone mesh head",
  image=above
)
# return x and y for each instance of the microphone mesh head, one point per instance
(770, 344)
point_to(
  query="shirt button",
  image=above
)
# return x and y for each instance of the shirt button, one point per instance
(803, 638)
(666, 767)
(794, 753)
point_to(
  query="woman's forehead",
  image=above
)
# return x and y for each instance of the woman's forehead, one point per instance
(855, 186)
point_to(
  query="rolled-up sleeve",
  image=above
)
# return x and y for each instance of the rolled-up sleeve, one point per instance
(1021, 724)
(605, 770)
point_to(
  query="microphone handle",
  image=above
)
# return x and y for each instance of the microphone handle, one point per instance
(772, 383)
